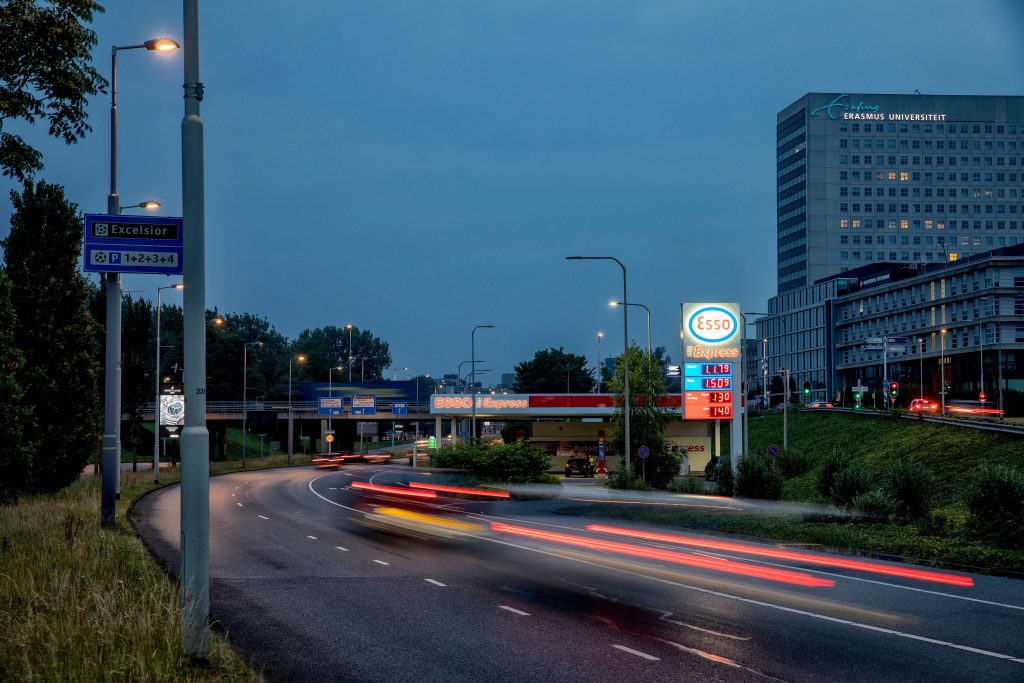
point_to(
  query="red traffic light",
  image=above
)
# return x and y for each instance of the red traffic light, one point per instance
(981, 396)
(894, 388)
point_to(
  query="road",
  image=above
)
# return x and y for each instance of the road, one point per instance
(301, 583)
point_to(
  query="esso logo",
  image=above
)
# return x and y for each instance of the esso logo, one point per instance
(453, 402)
(712, 325)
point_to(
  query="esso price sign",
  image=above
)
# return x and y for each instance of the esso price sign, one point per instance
(712, 325)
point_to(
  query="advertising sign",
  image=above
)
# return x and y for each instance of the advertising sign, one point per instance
(332, 407)
(172, 409)
(711, 338)
(364, 404)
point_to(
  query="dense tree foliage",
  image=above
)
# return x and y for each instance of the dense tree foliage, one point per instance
(45, 74)
(14, 462)
(55, 333)
(554, 371)
(327, 347)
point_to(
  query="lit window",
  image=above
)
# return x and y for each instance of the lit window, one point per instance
(904, 175)
(905, 224)
(952, 256)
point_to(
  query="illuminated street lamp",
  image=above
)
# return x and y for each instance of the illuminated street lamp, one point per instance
(349, 328)
(148, 204)
(301, 358)
(613, 304)
(156, 408)
(597, 389)
(942, 369)
(472, 366)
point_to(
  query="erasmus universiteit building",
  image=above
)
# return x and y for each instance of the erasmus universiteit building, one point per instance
(898, 216)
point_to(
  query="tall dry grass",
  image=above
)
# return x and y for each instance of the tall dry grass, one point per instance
(83, 603)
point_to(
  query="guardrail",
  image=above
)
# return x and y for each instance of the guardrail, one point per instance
(1003, 427)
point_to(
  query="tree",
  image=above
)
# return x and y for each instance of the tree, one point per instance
(45, 73)
(55, 333)
(14, 461)
(138, 354)
(647, 419)
(327, 347)
(551, 370)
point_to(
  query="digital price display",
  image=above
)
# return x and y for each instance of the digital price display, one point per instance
(707, 391)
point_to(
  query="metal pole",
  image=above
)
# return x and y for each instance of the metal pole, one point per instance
(195, 441)
(156, 400)
(330, 394)
(473, 381)
(920, 353)
(598, 389)
(743, 385)
(981, 353)
(111, 454)
(885, 371)
(648, 334)
(785, 410)
(999, 335)
(625, 362)
(245, 398)
(290, 411)
(350, 355)
(942, 369)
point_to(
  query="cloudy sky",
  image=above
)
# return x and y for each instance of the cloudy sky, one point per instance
(418, 168)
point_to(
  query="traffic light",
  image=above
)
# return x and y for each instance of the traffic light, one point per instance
(807, 389)
(981, 396)
(894, 389)
(856, 400)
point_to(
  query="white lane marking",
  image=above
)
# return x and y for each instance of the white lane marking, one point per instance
(436, 583)
(232, 495)
(381, 562)
(340, 548)
(240, 505)
(781, 608)
(637, 653)
(312, 537)
(513, 610)
(333, 488)
(262, 517)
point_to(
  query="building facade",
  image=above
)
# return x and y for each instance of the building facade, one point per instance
(916, 179)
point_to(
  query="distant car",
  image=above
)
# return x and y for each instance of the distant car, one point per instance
(923, 405)
(821, 405)
(580, 466)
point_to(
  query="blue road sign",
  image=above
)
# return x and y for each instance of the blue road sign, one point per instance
(399, 408)
(364, 404)
(133, 244)
(643, 452)
(331, 407)
(600, 450)
(773, 451)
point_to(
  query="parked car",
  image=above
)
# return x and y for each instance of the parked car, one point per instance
(821, 405)
(923, 405)
(580, 466)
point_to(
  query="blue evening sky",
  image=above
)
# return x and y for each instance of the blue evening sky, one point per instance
(418, 168)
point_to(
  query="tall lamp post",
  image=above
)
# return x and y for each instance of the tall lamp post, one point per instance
(625, 345)
(999, 357)
(330, 394)
(472, 366)
(597, 390)
(245, 394)
(111, 458)
(613, 304)
(349, 328)
(300, 358)
(942, 368)
(920, 356)
(156, 404)
(743, 381)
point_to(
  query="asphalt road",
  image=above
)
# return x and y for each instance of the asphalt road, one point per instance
(303, 584)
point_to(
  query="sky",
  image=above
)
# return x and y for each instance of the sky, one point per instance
(419, 168)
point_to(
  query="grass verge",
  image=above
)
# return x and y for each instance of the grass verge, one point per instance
(85, 603)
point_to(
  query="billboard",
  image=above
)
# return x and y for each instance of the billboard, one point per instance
(711, 336)
(172, 409)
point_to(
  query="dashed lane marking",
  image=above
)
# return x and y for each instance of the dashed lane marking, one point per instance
(381, 562)
(513, 610)
(340, 548)
(436, 583)
(240, 505)
(262, 517)
(637, 653)
(311, 537)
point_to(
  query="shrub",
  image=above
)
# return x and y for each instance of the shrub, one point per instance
(759, 476)
(830, 467)
(625, 480)
(459, 455)
(995, 499)
(515, 463)
(875, 503)
(848, 483)
(723, 477)
(794, 463)
(910, 485)
(687, 484)
(658, 469)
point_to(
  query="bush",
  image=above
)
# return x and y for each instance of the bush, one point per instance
(659, 468)
(625, 480)
(910, 485)
(830, 467)
(995, 499)
(513, 463)
(847, 484)
(460, 456)
(723, 477)
(759, 476)
(794, 463)
(686, 484)
(875, 503)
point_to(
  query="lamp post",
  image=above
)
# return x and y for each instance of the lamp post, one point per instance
(625, 345)
(597, 389)
(620, 303)
(472, 365)
(785, 409)
(942, 369)
(743, 383)
(999, 356)
(111, 453)
(245, 394)
(920, 355)
(300, 358)
(349, 328)
(156, 404)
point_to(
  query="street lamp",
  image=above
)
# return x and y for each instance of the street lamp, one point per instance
(920, 355)
(613, 304)
(625, 345)
(472, 365)
(156, 404)
(942, 369)
(148, 204)
(597, 389)
(300, 358)
(112, 371)
(999, 357)
(330, 394)
(245, 394)
(349, 328)
(743, 383)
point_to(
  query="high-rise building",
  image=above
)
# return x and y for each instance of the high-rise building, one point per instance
(863, 178)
